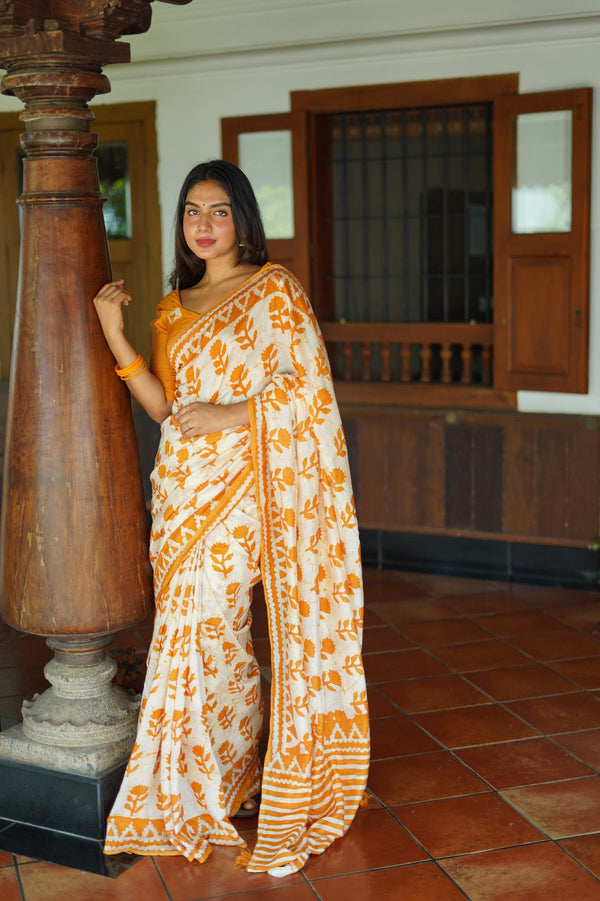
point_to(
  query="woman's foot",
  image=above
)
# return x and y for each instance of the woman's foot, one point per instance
(249, 808)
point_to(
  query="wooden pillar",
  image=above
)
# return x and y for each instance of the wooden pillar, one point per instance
(74, 525)
(74, 532)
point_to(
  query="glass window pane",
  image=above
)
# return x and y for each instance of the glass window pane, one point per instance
(113, 173)
(266, 158)
(412, 213)
(541, 199)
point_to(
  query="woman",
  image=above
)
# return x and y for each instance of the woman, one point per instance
(251, 481)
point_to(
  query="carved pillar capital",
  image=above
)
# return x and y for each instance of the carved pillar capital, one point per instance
(97, 22)
(44, 31)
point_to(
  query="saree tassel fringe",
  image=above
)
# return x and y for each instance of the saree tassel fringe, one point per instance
(243, 859)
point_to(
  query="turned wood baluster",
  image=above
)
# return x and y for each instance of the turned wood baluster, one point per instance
(366, 353)
(466, 357)
(386, 373)
(446, 354)
(486, 356)
(405, 351)
(425, 363)
(347, 353)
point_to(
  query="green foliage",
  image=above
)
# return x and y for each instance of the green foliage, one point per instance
(115, 209)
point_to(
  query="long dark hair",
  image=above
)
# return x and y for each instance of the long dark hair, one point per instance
(188, 268)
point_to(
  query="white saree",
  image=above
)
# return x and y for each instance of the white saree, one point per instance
(270, 501)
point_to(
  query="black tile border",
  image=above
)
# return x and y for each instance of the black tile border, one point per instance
(507, 561)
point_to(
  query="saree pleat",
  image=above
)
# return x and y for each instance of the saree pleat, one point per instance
(276, 494)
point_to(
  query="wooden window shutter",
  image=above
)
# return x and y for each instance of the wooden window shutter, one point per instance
(293, 253)
(541, 280)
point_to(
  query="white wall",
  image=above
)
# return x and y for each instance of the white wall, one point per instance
(244, 59)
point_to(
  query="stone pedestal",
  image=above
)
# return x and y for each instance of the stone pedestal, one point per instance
(61, 768)
(84, 723)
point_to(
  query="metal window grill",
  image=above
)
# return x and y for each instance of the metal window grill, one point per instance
(412, 208)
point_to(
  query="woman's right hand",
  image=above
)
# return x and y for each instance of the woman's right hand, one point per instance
(109, 302)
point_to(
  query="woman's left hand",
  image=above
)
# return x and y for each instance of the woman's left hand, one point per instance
(203, 419)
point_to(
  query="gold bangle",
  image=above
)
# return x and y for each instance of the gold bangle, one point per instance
(130, 372)
(127, 378)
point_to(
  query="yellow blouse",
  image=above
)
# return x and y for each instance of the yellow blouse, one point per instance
(171, 320)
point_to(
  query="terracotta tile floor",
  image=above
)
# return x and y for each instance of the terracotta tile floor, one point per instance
(485, 781)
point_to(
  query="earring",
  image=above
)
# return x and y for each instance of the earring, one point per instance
(241, 245)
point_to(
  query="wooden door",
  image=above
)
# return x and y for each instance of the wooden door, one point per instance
(291, 251)
(135, 250)
(542, 249)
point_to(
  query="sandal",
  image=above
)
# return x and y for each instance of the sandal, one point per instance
(248, 812)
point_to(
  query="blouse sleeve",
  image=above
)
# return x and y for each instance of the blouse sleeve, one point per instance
(160, 364)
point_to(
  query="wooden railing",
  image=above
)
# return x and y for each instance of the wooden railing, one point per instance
(408, 352)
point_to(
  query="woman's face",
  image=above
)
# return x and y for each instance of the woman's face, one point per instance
(208, 225)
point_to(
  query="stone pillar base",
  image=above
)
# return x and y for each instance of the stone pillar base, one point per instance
(61, 768)
(84, 723)
(85, 761)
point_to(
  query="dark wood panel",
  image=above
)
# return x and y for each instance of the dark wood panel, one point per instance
(401, 496)
(539, 315)
(429, 474)
(489, 474)
(488, 486)
(459, 471)
(583, 481)
(373, 473)
(519, 481)
(551, 482)
(415, 494)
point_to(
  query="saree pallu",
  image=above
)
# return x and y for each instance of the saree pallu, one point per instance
(270, 501)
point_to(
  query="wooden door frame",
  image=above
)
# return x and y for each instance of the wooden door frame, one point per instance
(292, 252)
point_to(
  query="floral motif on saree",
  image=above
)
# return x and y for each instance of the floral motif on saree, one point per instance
(270, 501)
